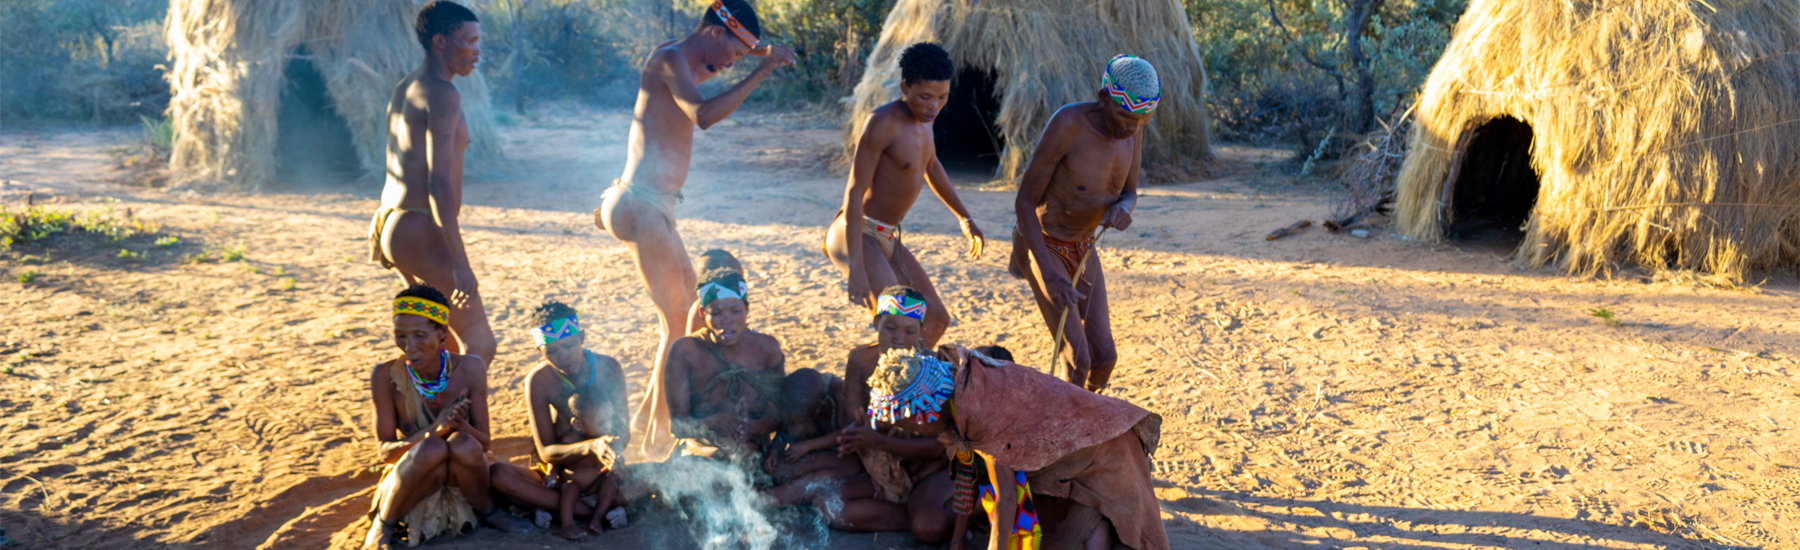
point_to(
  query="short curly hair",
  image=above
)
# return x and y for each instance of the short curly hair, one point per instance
(925, 61)
(441, 17)
(550, 310)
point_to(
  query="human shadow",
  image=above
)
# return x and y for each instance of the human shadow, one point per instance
(27, 522)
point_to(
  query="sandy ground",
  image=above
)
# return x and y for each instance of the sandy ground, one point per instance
(1320, 391)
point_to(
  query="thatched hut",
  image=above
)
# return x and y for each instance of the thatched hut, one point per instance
(295, 90)
(1611, 132)
(1020, 60)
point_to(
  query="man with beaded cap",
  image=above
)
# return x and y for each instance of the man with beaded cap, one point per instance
(1079, 478)
(1082, 176)
(431, 430)
(721, 381)
(888, 479)
(571, 373)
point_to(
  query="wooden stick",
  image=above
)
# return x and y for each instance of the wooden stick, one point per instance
(1289, 230)
(1062, 318)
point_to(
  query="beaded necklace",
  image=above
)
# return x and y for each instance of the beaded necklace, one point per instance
(430, 391)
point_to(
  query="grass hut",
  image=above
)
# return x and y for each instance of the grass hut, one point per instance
(295, 91)
(1020, 60)
(1609, 132)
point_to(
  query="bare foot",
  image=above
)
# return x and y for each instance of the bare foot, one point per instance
(599, 220)
(381, 536)
(572, 531)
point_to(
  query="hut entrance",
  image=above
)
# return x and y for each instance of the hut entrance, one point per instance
(1494, 187)
(314, 144)
(968, 137)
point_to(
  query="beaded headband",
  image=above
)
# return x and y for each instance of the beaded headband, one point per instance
(723, 288)
(1131, 102)
(891, 304)
(556, 330)
(410, 305)
(733, 24)
(921, 400)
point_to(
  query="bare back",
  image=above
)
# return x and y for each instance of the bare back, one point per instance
(900, 173)
(1091, 175)
(410, 139)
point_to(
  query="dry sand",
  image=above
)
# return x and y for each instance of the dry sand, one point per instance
(1320, 391)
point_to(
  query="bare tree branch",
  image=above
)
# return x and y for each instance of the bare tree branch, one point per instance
(1328, 68)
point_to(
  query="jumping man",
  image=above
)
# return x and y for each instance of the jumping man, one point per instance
(416, 231)
(895, 157)
(640, 207)
(1083, 175)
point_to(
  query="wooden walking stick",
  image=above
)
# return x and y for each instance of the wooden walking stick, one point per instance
(1062, 318)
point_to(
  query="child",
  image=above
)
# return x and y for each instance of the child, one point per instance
(589, 421)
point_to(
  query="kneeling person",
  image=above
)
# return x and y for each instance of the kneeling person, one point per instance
(1059, 483)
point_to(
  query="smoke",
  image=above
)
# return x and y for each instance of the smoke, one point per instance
(723, 510)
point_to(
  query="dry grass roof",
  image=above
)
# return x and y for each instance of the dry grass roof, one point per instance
(226, 78)
(1046, 55)
(1666, 132)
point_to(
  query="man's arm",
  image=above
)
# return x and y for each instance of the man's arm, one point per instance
(672, 69)
(945, 191)
(877, 135)
(444, 119)
(387, 447)
(1058, 136)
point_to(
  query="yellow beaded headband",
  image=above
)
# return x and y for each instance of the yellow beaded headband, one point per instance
(410, 305)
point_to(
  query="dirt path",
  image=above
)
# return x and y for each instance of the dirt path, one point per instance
(1318, 391)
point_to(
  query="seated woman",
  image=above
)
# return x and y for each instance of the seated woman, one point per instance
(574, 447)
(431, 427)
(1078, 478)
(722, 380)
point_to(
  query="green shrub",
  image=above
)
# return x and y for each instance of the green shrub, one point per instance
(35, 223)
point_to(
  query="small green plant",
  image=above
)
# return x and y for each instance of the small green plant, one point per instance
(204, 257)
(287, 283)
(1658, 399)
(232, 253)
(28, 276)
(129, 256)
(214, 214)
(35, 223)
(10, 452)
(251, 269)
(167, 241)
(159, 134)
(280, 270)
(1607, 315)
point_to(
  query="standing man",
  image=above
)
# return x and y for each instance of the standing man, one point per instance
(1083, 175)
(416, 230)
(640, 207)
(895, 159)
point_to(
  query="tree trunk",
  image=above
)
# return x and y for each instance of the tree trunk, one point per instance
(1360, 114)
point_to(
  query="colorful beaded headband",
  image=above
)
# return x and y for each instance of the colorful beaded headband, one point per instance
(733, 24)
(556, 330)
(723, 288)
(890, 304)
(410, 305)
(1133, 103)
(920, 401)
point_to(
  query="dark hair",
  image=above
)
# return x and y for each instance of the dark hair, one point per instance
(741, 10)
(441, 17)
(925, 61)
(801, 392)
(425, 292)
(719, 258)
(550, 310)
(995, 352)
